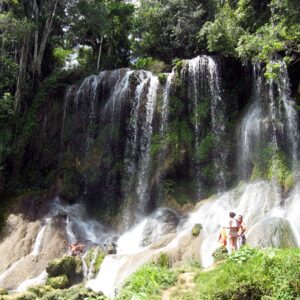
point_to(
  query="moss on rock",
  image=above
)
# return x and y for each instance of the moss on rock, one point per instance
(196, 230)
(59, 282)
(41, 290)
(67, 265)
(3, 292)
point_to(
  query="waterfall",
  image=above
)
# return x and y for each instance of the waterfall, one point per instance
(271, 120)
(145, 157)
(290, 111)
(131, 148)
(194, 73)
(218, 121)
(162, 132)
(251, 127)
(38, 242)
(204, 81)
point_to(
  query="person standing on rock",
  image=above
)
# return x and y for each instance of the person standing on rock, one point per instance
(241, 232)
(232, 232)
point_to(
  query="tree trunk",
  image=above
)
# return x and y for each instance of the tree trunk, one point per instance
(47, 30)
(99, 53)
(22, 71)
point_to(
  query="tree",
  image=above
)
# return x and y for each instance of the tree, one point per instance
(166, 29)
(104, 26)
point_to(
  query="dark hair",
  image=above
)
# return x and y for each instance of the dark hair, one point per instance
(231, 214)
(240, 216)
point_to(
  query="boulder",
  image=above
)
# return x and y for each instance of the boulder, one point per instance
(164, 241)
(71, 266)
(196, 230)
(3, 292)
(163, 221)
(272, 232)
(41, 290)
(59, 282)
(20, 296)
(111, 248)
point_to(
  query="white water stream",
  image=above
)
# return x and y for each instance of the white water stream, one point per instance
(257, 201)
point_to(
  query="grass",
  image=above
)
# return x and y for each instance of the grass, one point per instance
(147, 282)
(251, 274)
(247, 274)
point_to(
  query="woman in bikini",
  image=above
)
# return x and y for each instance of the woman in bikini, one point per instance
(232, 232)
(241, 232)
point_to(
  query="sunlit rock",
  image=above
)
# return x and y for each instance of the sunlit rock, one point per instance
(272, 232)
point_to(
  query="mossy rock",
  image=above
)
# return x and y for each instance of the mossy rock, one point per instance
(272, 232)
(3, 292)
(59, 282)
(41, 290)
(67, 265)
(163, 260)
(162, 77)
(97, 261)
(220, 254)
(196, 230)
(25, 296)
(78, 292)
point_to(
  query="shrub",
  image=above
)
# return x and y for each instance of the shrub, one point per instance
(147, 282)
(220, 254)
(162, 77)
(163, 260)
(67, 265)
(252, 274)
(196, 230)
(59, 282)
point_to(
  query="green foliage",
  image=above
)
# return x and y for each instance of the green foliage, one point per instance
(244, 254)
(150, 64)
(196, 230)
(178, 65)
(59, 282)
(98, 262)
(3, 292)
(272, 70)
(40, 290)
(205, 147)
(252, 274)
(8, 74)
(165, 30)
(6, 107)
(67, 265)
(280, 171)
(26, 296)
(223, 33)
(162, 77)
(147, 282)
(163, 260)
(273, 164)
(255, 31)
(104, 26)
(220, 254)
(61, 55)
(178, 191)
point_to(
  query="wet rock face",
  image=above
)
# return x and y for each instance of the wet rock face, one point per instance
(18, 262)
(163, 221)
(67, 266)
(272, 232)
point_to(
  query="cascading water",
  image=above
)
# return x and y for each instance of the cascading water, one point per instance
(162, 132)
(218, 122)
(126, 104)
(271, 120)
(131, 150)
(204, 82)
(145, 159)
(251, 128)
